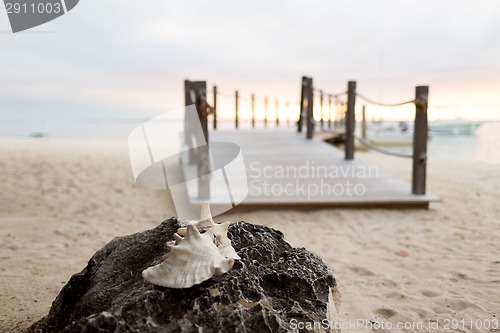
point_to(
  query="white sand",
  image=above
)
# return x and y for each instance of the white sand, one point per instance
(61, 201)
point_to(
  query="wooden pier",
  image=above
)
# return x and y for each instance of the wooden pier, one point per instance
(284, 170)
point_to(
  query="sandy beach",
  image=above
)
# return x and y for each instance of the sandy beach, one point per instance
(410, 270)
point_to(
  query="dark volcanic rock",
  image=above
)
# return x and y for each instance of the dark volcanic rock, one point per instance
(272, 284)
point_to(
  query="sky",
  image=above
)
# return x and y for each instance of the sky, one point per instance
(119, 59)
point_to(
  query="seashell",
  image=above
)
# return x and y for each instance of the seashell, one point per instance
(193, 260)
(219, 230)
(222, 242)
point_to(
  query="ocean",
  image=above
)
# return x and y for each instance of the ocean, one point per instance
(483, 146)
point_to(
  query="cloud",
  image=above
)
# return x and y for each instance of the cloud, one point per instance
(134, 56)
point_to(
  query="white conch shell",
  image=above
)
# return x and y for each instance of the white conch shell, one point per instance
(221, 240)
(193, 260)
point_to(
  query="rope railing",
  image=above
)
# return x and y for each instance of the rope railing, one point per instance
(420, 102)
(328, 94)
(268, 104)
(249, 107)
(372, 146)
(368, 100)
(367, 143)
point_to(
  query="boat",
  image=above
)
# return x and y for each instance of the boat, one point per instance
(453, 127)
(390, 133)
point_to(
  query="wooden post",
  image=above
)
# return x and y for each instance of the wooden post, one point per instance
(276, 107)
(350, 121)
(310, 104)
(322, 122)
(196, 93)
(420, 140)
(236, 125)
(265, 111)
(203, 158)
(203, 108)
(188, 100)
(302, 97)
(253, 111)
(363, 124)
(215, 107)
(329, 111)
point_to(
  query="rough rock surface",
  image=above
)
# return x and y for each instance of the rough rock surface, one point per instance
(272, 284)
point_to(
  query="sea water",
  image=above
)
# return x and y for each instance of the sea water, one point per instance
(483, 146)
